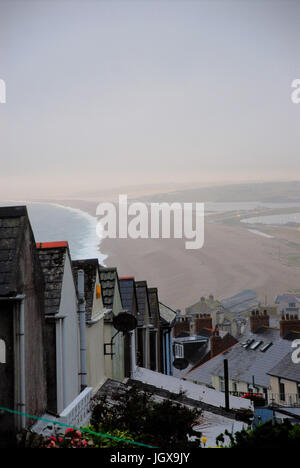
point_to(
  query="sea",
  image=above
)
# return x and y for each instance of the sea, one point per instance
(53, 222)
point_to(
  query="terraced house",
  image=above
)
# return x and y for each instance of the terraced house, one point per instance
(22, 359)
(113, 342)
(129, 300)
(61, 325)
(94, 315)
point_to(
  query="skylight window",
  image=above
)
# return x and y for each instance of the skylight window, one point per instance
(256, 344)
(248, 343)
(265, 347)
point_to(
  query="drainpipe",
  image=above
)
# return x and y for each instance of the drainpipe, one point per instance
(133, 351)
(82, 328)
(22, 364)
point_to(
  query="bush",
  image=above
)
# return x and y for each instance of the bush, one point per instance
(269, 435)
(164, 424)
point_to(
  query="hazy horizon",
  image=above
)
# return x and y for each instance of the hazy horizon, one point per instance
(103, 95)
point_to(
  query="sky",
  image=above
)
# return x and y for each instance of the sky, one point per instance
(103, 94)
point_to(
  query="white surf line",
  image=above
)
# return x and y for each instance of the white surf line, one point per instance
(254, 231)
(93, 240)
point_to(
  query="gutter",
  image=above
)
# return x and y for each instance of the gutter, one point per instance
(82, 328)
(22, 363)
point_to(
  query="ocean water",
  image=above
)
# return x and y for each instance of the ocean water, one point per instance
(52, 222)
(274, 219)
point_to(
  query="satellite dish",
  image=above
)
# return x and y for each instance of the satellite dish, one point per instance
(124, 322)
(180, 363)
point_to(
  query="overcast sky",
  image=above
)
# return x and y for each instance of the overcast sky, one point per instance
(108, 93)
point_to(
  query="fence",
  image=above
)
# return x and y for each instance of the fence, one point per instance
(77, 413)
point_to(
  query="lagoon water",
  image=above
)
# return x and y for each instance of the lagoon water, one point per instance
(53, 222)
(274, 219)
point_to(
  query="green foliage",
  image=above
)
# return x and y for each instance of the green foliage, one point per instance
(161, 423)
(268, 435)
(95, 441)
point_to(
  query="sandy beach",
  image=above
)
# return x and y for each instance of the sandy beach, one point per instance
(235, 256)
(231, 260)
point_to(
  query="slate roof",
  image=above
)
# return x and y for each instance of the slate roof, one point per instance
(12, 226)
(286, 369)
(108, 278)
(196, 348)
(154, 307)
(243, 362)
(52, 259)
(128, 293)
(167, 315)
(142, 300)
(90, 268)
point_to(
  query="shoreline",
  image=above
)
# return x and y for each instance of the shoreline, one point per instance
(232, 259)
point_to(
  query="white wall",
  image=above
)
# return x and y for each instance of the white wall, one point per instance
(71, 352)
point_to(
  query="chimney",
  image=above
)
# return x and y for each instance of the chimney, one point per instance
(216, 345)
(259, 319)
(203, 321)
(289, 323)
(182, 326)
(219, 345)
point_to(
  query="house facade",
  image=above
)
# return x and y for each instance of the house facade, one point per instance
(129, 301)
(285, 382)
(61, 325)
(94, 315)
(111, 296)
(143, 318)
(22, 378)
(155, 335)
(168, 318)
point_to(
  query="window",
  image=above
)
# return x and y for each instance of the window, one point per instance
(2, 352)
(256, 344)
(222, 384)
(179, 350)
(265, 347)
(234, 386)
(282, 390)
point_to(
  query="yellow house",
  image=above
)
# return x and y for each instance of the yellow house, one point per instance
(285, 382)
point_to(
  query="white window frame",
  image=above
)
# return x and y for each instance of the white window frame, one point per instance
(179, 351)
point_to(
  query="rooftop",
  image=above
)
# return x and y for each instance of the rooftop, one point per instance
(254, 356)
(167, 315)
(12, 226)
(52, 257)
(90, 268)
(142, 301)
(286, 369)
(108, 278)
(128, 292)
